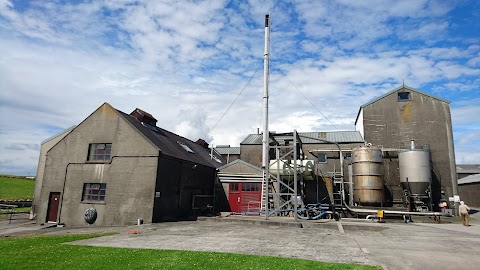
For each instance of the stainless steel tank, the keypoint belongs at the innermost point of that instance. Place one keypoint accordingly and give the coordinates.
(414, 165)
(367, 175)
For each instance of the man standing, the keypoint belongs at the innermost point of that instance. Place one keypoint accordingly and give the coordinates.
(464, 213)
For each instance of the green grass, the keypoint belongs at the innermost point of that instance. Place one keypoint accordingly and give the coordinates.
(16, 188)
(48, 252)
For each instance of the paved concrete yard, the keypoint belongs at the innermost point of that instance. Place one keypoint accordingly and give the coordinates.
(390, 245)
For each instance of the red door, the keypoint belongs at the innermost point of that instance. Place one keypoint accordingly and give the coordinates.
(53, 202)
(250, 197)
(244, 197)
(234, 197)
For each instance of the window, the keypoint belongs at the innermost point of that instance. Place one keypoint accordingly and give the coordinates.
(403, 96)
(188, 149)
(322, 158)
(250, 186)
(233, 186)
(99, 152)
(93, 192)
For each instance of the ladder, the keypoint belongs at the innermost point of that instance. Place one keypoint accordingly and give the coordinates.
(338, 189)
(264, 198)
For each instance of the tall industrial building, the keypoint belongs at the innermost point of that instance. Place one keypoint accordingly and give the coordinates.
(395, 119)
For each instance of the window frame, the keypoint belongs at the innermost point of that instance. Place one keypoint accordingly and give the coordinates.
(94, 152)
(401, 96)
(233, 187)
(250, 187)
(323, 161)
(87, 194)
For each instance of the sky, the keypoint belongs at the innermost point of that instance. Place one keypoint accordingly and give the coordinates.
(186, 61)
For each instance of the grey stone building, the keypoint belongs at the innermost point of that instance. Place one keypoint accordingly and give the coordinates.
(125, 168)
(394, 119)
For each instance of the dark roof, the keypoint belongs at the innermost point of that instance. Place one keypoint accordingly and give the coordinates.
(399, 89)
(169, 143)
(468, 168)
(334, 136)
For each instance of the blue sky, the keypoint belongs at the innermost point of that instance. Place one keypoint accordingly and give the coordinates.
(186, 61)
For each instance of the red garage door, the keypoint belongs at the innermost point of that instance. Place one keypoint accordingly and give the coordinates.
(244, 197)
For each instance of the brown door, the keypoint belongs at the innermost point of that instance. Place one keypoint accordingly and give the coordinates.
(53, 202)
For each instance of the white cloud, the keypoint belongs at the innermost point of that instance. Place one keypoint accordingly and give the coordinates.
(186, 61)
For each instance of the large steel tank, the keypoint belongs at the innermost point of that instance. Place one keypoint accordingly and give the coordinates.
(415, 170)
(367, 175)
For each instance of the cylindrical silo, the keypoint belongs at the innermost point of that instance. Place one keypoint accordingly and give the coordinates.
(415, 170)
(367, 175)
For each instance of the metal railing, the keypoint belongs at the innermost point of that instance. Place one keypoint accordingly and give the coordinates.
(10, 210)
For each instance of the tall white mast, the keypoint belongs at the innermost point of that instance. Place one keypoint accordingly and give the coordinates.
(266, 139)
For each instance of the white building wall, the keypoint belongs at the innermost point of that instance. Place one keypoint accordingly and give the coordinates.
(359, 123)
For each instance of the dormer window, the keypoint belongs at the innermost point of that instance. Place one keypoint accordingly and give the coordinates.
(188, 149)
(403, 96)
(100, 152)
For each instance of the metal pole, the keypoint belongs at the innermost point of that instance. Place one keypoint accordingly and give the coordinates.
(295, 201)
(278, 185)
(265, 149)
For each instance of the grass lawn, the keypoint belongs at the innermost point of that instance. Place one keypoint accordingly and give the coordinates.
(47, 252)
(16, 188)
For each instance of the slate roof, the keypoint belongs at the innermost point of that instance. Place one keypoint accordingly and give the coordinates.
(334, 136)
(167, 143)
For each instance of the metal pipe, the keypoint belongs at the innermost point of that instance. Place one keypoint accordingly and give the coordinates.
(392, 212)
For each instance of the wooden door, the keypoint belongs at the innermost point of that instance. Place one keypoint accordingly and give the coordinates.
(53, 203)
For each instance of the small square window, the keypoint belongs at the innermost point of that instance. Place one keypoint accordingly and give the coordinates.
(94, 192)
(403, 96)
(322, 158)
(100, 152)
